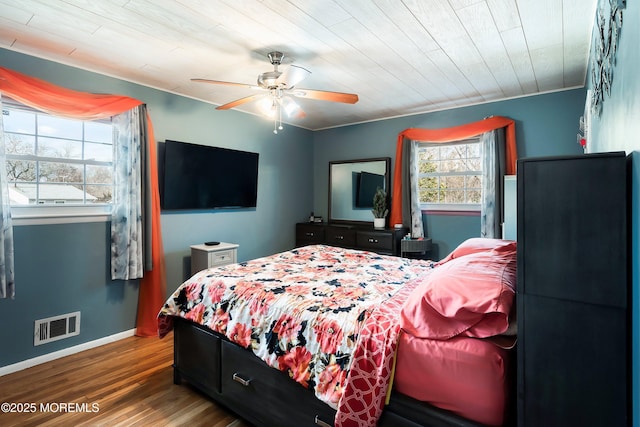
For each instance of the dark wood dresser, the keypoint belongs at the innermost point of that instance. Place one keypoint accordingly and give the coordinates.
(383, 241)
(573, 291)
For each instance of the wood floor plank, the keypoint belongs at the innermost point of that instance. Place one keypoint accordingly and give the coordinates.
(125, 383)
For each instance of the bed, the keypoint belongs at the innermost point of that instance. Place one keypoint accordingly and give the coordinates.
(322, 335)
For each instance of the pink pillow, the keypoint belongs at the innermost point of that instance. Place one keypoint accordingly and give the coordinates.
(471, 296)
(480, 244)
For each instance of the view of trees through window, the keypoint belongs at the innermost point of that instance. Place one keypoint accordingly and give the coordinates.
(450, 174)
(54, 160)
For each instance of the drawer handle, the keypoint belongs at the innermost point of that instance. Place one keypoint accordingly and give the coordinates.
(321, 423)
(241, 380)
(339, 237)
(372, 240)
(309, 234)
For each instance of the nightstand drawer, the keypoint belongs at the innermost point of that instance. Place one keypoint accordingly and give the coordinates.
(205, 256)
(221, 258)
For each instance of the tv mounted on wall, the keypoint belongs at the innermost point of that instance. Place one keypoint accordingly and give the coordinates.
(367, 185)
(196, 176)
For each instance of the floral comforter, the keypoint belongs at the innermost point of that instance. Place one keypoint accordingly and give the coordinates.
(303, 311)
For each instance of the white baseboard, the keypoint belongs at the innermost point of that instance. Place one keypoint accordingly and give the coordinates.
(9, 369)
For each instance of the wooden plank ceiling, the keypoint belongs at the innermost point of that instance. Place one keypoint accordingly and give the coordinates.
(401, 57)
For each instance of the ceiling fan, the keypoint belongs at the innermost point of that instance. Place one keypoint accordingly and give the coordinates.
(276, 89)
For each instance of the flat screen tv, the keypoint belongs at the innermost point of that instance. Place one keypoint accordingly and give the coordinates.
(203, 177)
(367, 184)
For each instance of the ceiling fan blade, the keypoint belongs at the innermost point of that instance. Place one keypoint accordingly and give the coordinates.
(240, 101)
(347, 98)
(292, 75)
(291, 108)
(219, 82)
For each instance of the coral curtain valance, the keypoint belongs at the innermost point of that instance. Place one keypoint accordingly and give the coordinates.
(60, 101)
(451, 134)
(64, 102)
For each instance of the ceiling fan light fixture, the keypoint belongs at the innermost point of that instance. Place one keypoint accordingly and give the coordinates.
(268, 106)
(291, 108)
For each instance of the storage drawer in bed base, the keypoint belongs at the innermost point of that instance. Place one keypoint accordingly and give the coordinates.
(264, 396)
(196, 357)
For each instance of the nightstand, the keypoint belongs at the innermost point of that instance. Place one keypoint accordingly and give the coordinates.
(203, 256)
(416, 248)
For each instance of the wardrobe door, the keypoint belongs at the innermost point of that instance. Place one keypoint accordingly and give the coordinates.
(573, 291)
(574, 364)
(573, 219)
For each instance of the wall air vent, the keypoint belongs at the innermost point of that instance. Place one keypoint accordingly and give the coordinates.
(56, 328)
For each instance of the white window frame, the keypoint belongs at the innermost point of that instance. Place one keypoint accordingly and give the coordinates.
(49, 213)
(450, 207)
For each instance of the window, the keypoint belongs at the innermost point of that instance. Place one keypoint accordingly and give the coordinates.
(450, 175)
(57, 162)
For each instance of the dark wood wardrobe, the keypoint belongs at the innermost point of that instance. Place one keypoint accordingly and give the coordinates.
(573, 303)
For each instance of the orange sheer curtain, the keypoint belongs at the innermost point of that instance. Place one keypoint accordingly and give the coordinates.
(448, 135)
(64, 102)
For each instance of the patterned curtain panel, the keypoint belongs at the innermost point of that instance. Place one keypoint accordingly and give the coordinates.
(127, 237)
(411, 211)
(493, 168)
(7, 284)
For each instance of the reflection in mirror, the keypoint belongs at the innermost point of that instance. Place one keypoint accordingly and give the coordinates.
(352, 184)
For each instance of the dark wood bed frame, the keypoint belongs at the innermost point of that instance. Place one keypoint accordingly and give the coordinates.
(236, 378)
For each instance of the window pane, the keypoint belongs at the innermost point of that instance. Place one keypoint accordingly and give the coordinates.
(59, 127)
(453, 182)
(98, 132)
(61, 148)
(474, 181)
(474, 196)
(453, 196)
(21, 171)
(457, 166)
(99, 175)
(473, 150)
(19, 144)
(60, 173)
(19, 121)
(22, 194)
(100, 193)
(474, 164)
(98, 152)
(448, 152)
(60, 194)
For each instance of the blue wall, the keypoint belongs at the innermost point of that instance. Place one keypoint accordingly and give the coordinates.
(618, 128)
(545, 125)
(65, 267)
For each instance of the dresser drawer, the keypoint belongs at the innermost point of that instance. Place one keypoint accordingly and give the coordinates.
(340, 236)
(309, 234)
(378, 242)
(256, 388)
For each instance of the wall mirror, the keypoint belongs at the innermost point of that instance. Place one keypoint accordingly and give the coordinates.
(352, 184)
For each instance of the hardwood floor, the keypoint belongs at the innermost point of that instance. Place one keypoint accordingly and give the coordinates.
(125, 383)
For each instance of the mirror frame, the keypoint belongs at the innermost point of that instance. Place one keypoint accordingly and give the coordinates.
(387, 183)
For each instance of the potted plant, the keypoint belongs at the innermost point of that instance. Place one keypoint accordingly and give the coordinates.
(379, 210)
